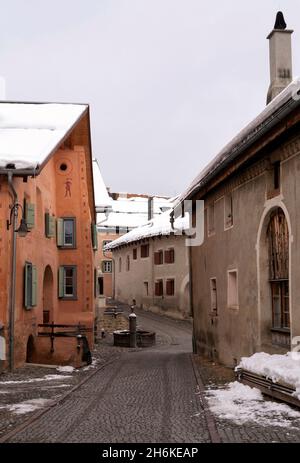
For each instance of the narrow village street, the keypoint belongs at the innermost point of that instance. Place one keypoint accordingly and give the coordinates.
(152, 395)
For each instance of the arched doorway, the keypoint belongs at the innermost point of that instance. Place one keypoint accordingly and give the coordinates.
(274, 280)
(48, 295)
(30, 350)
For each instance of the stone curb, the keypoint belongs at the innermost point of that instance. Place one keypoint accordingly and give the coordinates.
(210, 421)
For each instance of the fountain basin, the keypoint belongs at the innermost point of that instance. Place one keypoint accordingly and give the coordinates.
(143, 338)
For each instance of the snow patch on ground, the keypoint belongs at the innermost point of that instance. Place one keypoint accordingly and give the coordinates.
(92, 365)
(34, 380)
(28, 406)
(66, 369)
(242, 404)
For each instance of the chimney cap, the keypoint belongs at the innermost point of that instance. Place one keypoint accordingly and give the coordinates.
(280, 22)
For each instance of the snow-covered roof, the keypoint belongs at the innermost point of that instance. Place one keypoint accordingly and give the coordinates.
(158, 226)
(274, 111)
(131, 212)
(29, 132)
(102, 198)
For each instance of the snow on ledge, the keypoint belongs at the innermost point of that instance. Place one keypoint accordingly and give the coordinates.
(278, 368)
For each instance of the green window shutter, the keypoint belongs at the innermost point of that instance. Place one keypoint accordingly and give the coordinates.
(94, 236)
(95, 283)
(34, 287)
(30, 215)
(60, 232)
(49, 225)
(27, 285)
(61, 274)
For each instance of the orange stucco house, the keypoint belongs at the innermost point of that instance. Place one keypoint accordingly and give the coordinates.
(46, 276)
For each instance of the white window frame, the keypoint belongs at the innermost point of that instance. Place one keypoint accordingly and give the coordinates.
(105, 263)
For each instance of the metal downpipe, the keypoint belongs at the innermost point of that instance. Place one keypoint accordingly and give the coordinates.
(13, 276)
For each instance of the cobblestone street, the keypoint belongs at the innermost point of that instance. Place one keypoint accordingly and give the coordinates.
(150, 395)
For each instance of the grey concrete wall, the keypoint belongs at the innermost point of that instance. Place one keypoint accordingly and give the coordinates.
(241, 331)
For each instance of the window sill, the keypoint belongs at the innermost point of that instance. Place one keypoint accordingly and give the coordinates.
(234, 308)
(68, 247)
(281, 330)
(73, 298)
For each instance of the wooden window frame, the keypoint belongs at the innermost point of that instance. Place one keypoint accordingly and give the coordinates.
(143, 247)
(228, 211)
(127, 263)
(211, 219)
(170, 256)
(146, 288)
(213, 296)
(159, 257)
(159, 288)
(284, 305)
(170, 293)
(62, 286)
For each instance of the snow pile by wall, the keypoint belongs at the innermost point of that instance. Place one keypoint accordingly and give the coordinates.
(278, 368)
(243, 404)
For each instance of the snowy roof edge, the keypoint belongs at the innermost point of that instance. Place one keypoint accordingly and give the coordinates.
(279, 107)
(37, 169)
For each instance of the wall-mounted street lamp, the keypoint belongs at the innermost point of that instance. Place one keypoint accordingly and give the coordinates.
(22, 230)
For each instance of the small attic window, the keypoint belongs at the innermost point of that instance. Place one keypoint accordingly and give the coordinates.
(10, 166)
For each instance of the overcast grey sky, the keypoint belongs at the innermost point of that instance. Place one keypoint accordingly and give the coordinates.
(169, 82)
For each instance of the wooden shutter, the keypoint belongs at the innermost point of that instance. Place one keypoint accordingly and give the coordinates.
(171, 256)
(167, 256)
(170, 288)
(94, 236)
(30, 215)
(159, 290)
(49, 225)
(34, 287)
(29, 274)
(96, 292)
(61, 274)
(157, 287)
(60, 232)
(156, 258)
(27, 285)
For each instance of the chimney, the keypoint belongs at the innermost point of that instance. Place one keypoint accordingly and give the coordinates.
(150, 208)
(280, 57)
